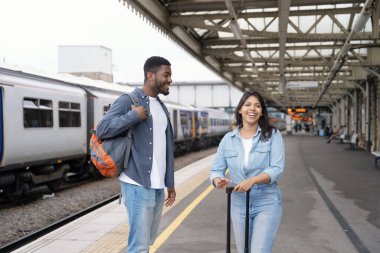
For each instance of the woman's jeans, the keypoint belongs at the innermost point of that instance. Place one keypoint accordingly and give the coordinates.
(144, 207)
(265, 210)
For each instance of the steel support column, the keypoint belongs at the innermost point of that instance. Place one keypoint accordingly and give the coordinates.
(368, 115)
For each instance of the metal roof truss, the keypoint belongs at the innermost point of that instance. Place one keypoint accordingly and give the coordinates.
(264, 45)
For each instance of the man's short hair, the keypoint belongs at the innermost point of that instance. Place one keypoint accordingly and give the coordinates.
(152, 64)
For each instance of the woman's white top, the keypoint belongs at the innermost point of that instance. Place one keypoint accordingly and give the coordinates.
(247, 144)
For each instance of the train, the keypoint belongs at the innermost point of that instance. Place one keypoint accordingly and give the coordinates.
(277, 119)
(278, 123)
(46, 122)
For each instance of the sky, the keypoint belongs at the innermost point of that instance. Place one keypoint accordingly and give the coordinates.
(31, 31)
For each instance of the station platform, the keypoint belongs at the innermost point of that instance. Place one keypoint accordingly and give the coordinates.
(330, 204)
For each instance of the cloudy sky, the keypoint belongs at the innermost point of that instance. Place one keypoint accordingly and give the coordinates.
(30, 32)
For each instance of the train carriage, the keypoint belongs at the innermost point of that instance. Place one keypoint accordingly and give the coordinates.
(219, 123)
(45, 123)
(200, 127)
(181, 119)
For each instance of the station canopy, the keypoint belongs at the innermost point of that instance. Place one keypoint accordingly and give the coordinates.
(295, 53)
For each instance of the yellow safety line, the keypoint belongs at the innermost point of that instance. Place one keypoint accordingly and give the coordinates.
(175, 224)
(116, 240)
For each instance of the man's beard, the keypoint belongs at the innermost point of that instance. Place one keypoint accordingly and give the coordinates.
(158, 87)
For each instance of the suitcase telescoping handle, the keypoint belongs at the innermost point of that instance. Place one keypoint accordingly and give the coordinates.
(229, 191)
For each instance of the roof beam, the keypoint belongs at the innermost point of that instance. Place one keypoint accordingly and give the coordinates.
(358, 26)
(219, 5)
(223, 51)
(314, 61)
(264, 14)
(284, 6)
(328, 37)
(240, 42)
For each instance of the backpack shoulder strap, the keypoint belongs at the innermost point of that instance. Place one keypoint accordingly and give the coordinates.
(135, 101)
(134, 98)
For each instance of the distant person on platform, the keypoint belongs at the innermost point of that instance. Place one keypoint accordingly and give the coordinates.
(255, 155)
(334, 134)
(151, 164)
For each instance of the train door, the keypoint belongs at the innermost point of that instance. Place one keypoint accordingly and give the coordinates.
(204, 117)
(1, 124)
(195, 126)
(185, 123)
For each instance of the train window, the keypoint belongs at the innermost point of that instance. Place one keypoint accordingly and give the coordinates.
(204, 123)
(64, 105)
(46, 104)
(183, 120)
(75, 106)
(69, 114)
(30, 103)
(38, 113)
(183, 117)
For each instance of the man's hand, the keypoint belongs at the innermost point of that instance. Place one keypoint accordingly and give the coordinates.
(171, 197)
(141, 111)
(220, 183)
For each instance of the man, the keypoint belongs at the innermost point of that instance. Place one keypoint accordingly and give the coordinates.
(151, 164)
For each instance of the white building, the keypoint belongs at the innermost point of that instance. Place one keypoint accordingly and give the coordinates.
(94, 62)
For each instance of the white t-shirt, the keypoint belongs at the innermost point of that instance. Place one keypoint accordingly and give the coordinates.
(247, 144)
(160, 123)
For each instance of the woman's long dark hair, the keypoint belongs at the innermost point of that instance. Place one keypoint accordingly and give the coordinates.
(266, 128)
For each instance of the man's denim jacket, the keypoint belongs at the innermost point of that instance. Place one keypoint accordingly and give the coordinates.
(265, 157)
(121, 117)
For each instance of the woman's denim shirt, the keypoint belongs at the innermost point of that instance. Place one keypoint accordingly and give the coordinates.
(265, 157)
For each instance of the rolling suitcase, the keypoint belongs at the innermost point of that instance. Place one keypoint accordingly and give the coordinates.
(229, 190)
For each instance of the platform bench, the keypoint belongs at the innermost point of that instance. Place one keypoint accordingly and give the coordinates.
(343, 136)
(353, 142)
(377, 156)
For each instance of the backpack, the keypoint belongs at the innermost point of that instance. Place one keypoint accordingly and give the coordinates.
(110, 156)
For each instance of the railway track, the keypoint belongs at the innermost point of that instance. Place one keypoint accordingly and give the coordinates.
(43, 231)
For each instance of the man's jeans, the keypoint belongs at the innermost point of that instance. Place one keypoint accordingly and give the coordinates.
(265, 211)
(144, 207)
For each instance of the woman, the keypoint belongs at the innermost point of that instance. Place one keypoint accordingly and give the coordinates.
(254, 154)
